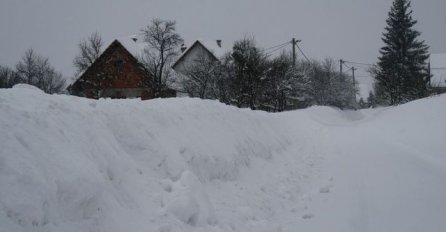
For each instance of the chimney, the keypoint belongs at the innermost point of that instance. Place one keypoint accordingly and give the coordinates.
(219, 43)
(183, 47)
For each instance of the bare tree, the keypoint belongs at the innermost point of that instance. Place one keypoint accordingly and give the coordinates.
(89, 50)
(30, 67)
(53, 82)
(332, 88)
(8, 77)
(200, 78)
(36, 70)
(163, 46)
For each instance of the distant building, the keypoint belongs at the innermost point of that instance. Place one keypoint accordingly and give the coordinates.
(211, 50)
(438, 72)
(117, 73)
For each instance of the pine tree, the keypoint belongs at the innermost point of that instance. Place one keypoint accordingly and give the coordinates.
(371, 100)
(249, 63)
(402, 71)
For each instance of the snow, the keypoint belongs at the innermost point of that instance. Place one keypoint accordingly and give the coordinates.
(212, 46)
(438, 70)
(74, 164)
(26, 86)
(136, 48)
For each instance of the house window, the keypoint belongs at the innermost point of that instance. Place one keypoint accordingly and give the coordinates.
(118, 63)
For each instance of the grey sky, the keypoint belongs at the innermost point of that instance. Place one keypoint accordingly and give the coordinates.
(348, 29)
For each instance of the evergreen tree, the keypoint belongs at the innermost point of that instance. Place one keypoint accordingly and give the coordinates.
(249, 68)
(402, 71)
(371, 100)
(362, 104)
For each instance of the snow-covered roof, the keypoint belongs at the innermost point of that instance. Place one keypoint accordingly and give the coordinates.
(214, 48)
(218, 50)
(438, 70)
(134, 44)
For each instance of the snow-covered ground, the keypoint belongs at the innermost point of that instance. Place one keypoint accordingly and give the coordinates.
(72, 164)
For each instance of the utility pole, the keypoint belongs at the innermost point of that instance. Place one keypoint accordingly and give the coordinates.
(294, 43)
(353, 74)
(354, 83)
(341, 63)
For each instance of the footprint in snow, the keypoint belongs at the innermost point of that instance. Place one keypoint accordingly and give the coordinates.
(308, 216)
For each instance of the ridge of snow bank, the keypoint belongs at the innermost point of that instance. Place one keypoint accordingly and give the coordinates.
(73, 164)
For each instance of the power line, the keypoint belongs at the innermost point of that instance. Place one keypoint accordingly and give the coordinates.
(358, 63)
(348, 67)
(363, 68)
(275, 50)
(302, 53)
(273, 47)
(438, 68)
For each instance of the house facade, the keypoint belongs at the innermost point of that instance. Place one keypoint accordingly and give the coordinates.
(117, 73)
(200, 49)
(438, 71)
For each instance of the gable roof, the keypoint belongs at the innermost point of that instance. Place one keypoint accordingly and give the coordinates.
(213, 47)
(133, 44)
(438, 70)
(210, 45)
(133, 48)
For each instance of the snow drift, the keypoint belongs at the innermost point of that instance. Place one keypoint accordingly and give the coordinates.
(73, 164)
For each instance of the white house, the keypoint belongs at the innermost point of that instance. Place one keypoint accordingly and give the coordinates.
(438, 71)
(193, 55)
(212, 50)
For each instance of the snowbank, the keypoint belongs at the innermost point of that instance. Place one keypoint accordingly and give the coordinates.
(73, 164)
(26, 86)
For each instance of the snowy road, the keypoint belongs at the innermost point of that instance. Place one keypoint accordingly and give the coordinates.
(388, 170)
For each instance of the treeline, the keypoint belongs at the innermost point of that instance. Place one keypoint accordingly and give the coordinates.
(33, 69)
(244, 77)
(247, 77)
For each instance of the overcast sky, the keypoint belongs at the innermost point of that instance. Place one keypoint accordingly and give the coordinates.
(348, 29)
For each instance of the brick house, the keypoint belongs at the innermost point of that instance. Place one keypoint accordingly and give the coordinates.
(117, 73)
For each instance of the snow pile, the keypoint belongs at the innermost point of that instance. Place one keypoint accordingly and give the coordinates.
(73, 164)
